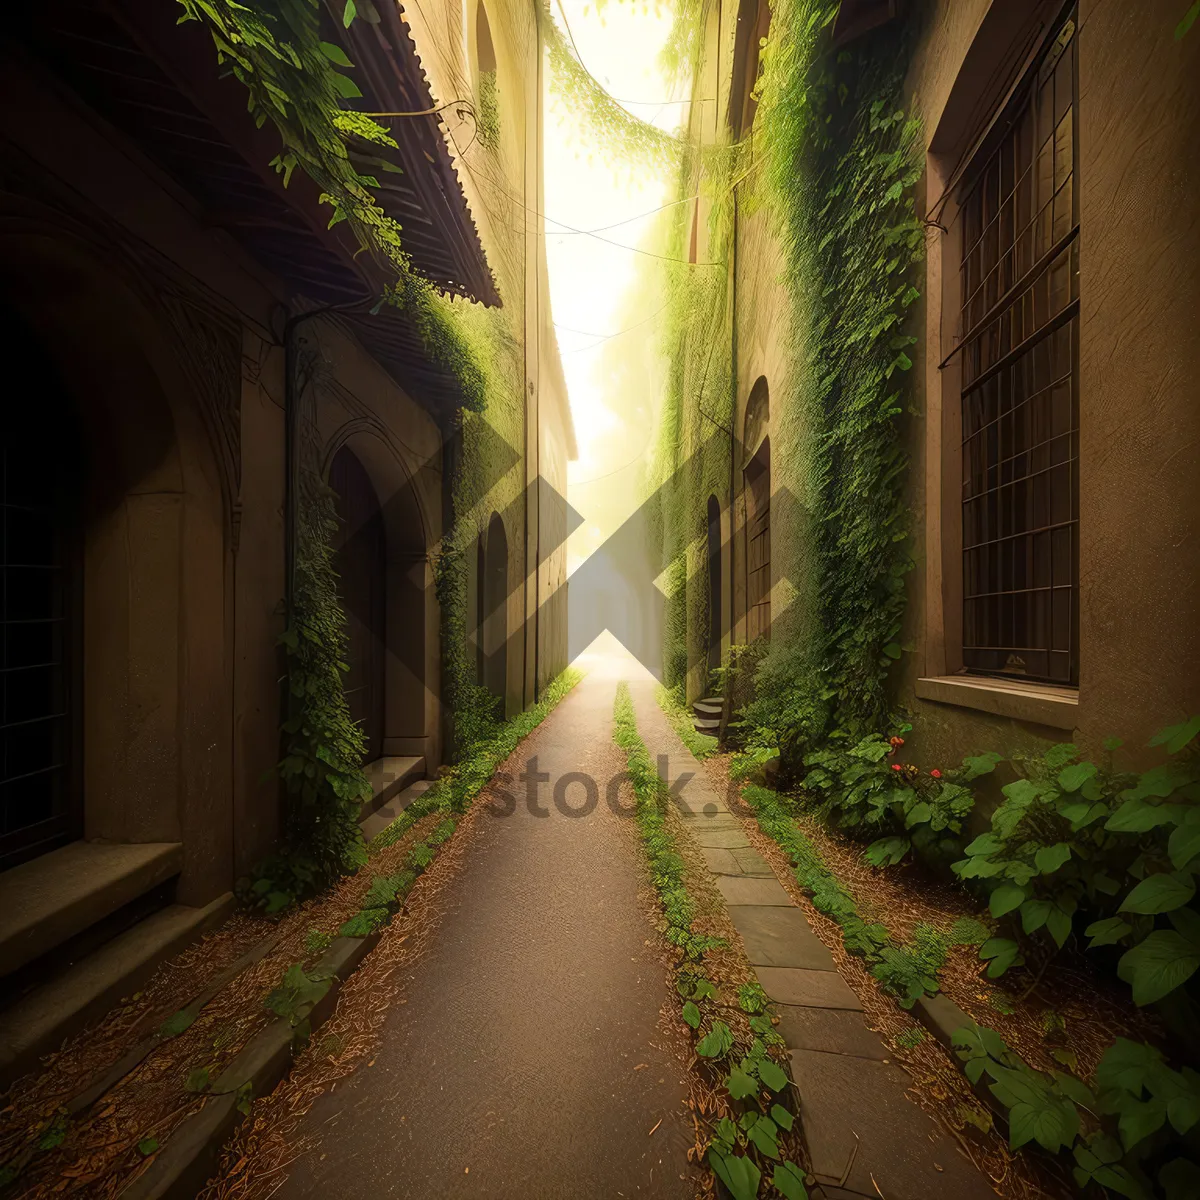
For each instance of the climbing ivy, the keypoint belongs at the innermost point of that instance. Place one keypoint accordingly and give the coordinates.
(840, 163)
(302, 85)
(321, 766)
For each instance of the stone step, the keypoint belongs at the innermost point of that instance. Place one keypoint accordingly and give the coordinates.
(711, 706)
(57, 896)
(373, 824)
(83, 989)
(388, 777)
(709, 725)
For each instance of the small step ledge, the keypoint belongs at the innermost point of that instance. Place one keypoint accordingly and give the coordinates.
(388, 777)
(709, 725)
(711, 706)
(52, 898)
(375, 823)
(40, 1020)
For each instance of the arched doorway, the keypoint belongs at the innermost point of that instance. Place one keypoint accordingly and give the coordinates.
(144, 685)
(714, 583)
(361, 556)
(494, 588)
(41, 802)
(756, 481)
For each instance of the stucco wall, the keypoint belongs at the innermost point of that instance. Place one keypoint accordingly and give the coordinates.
(1139, 425)
(184, 561)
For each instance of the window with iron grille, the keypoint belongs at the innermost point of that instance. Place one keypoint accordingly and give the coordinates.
(38, 804)
(1019, 280)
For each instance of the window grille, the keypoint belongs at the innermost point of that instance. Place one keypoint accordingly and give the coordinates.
(1020, 404)
(36, 802)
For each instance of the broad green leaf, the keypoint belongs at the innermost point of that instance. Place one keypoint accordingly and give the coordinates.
(985, 843)
(691, 1014)
(762, 1135)
(1160, 893)
(197, 1080)
(147, 1146)
(1075, 1089)
(1180, 1178)
(737, 1172)
(772, 1074)
(919, 814)
(1034, 914)
(1058, 922)
(1059, 755)
(980, 764)
(781, 1116)
(1158, 964)
(1183, 845)
(788, 1181)
(1136, 816)
(1184, 1111)
(1140, 1119)
(1049, 858)
(717, 1042)
(1072, 778)
(1022, 792)
(351, 11)
(335, 54)
(1177, 736)
(1107, 932)
(176, 1023)
(1126, 1065)
(740, 1085)
(1000, 953)
(1052, 1123)
(1005, 898)
(887, 851)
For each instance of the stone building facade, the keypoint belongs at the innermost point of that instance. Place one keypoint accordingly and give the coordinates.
(1057, 597)
(168, 303)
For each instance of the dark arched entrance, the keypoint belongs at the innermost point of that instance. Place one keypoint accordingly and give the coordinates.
(361, 563)
(40, 613)
(756, 480)
(714, 583)
(494, 586)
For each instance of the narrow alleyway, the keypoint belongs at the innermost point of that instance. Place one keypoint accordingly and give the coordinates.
(530, 1041)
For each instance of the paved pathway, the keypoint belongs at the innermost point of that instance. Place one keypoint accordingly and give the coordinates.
(859, 1126)
(513, 1068)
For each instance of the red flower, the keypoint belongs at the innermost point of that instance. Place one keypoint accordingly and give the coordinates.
(897, 767)
(896, 741)
(936, 773)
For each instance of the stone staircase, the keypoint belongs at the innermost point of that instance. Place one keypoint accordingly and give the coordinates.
(708, 715)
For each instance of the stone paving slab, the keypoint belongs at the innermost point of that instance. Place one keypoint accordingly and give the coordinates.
(835, 1031)
(846, 1102)
(742, 889)
(813, 989)
(740, 862)
(779, 938)
(865, 1136)
(723, 839)
(753, 863)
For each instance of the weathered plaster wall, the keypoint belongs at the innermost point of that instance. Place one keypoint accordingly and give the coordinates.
(185, 559)
(1139, 105)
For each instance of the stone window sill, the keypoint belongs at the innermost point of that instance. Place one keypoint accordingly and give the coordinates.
(1040, 703)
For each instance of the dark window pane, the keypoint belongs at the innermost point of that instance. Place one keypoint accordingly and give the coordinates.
(1020, 421)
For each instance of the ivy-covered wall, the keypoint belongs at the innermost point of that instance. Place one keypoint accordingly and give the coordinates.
(832, 294)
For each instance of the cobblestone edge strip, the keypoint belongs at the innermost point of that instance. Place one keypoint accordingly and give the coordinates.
(189, 1157)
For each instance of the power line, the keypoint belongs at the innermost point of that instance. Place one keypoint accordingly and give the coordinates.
(604, 337)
